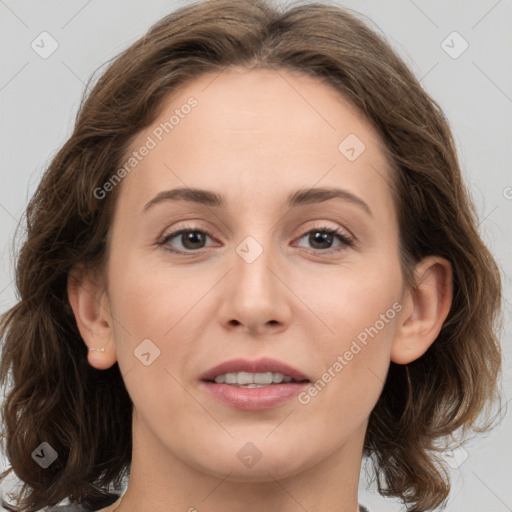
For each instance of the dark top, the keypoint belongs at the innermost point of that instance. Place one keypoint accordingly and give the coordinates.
(88, 506)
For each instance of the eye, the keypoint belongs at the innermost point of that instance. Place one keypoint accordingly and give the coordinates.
(324, 236)
(190, 237)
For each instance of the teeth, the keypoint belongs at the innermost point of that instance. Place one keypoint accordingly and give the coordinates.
(277, 378)
(252, 380)
(230, 378)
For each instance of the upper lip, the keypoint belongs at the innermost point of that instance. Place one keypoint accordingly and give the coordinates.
(262, 365)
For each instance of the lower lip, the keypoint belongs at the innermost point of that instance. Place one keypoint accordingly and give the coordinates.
(254, 398)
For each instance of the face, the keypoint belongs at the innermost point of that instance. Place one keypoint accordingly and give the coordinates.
(311, 281)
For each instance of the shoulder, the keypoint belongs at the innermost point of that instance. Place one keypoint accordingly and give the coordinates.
(85, 506)
(75, 507)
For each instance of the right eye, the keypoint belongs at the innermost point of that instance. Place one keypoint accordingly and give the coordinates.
(192, 238)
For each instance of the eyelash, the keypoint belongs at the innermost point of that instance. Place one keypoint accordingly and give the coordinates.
(346, 241)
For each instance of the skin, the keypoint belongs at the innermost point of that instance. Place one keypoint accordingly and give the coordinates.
(254, 137)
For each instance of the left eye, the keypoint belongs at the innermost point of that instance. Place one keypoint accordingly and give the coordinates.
(192, 239)
(326, 235)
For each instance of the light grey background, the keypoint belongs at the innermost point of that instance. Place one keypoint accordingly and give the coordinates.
(39, 99)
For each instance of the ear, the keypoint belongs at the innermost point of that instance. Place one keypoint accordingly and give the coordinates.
(89, 300)
(425, 310)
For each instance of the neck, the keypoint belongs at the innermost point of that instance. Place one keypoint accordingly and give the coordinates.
(161, 481)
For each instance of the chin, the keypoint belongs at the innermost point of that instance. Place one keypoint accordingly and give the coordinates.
(246, 461)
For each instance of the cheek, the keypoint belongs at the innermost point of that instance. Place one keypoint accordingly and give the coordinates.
(354, 300)
(358, 313)
(162, 312)
(151, 333)
(148, 298)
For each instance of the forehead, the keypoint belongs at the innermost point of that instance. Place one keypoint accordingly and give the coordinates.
(263, 131)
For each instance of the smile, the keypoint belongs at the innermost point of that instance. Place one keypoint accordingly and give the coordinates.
(253, 380)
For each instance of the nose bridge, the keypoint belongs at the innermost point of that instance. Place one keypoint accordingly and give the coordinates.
(255, 258)
(256, 296)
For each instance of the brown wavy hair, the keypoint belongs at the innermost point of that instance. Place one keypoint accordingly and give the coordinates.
(85, 414)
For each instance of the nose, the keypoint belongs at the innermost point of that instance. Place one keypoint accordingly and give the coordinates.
(256, 296)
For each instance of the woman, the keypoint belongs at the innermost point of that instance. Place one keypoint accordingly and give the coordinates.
(253, 262)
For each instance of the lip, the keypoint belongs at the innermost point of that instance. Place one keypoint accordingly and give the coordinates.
(265, 397)
(262, 365)
(254, 399)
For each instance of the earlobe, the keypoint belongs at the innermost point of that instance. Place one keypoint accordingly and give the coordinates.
(91, 308)
(427, 306)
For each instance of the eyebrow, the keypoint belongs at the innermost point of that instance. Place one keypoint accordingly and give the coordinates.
(296, 198)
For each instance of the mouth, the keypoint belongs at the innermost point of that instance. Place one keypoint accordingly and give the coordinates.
(262, 372)
(254, 380)
(253, 385)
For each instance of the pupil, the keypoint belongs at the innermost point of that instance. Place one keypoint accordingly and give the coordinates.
(190, 238)
(322, 238)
